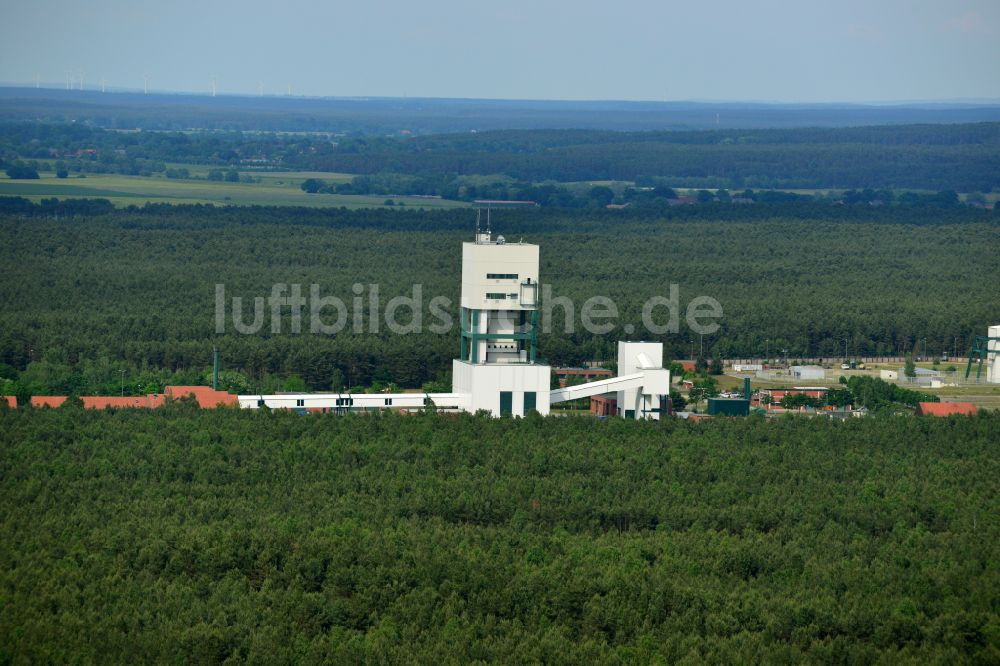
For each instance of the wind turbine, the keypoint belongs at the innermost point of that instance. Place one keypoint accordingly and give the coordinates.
(260, 88)
(67, 79)
(36, 81)
(289, 89)
(145, 83)
(214, 86)
(103, 81)
(80, 73)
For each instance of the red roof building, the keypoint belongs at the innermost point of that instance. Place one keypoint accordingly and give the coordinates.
(777, 395)
(11, 400)
(47, 400)
(206, 396)
(603, 405)
(115, 402)
(946, 408)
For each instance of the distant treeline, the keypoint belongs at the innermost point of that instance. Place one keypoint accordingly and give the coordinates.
(395, 116)
(90, 291)
(964, 158)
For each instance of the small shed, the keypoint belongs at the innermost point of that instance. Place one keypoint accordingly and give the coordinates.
(728, 407)
(808, 372)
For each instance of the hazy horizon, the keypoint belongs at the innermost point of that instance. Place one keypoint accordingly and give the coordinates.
(96, 87)
(773, 53)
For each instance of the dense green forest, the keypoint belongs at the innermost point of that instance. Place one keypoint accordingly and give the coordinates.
(961, 157)
(91, 293)
(964, 158)
(201, 537)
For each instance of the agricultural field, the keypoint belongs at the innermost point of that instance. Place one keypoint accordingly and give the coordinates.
(275, 189)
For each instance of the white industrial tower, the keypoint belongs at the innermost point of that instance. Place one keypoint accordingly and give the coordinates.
(499, 317)
(497, 370)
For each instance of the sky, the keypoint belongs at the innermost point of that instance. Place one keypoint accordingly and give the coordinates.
(726, 50)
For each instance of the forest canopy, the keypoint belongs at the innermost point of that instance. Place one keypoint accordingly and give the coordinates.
(187, 536)
(963, 157)
(91, 292)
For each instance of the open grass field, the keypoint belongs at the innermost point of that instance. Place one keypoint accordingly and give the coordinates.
(275, 189)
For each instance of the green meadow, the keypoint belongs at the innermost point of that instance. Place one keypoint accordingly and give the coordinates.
(274, 189)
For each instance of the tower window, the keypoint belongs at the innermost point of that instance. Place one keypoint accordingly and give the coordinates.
(501, 276)
(498, 297)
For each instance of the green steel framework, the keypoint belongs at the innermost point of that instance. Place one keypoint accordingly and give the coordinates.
(471, 336)
(980, 348)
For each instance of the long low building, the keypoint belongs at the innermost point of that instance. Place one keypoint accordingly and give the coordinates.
(205, 396)
(946, 409)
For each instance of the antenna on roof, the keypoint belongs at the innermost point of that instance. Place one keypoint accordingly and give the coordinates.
(481, 236)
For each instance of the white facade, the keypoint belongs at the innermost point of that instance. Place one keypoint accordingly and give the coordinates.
(491, 267)
(646, 358)
(502, 388)
(499, 308)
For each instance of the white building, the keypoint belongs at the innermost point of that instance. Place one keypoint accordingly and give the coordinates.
(497, 369)
(497, 366)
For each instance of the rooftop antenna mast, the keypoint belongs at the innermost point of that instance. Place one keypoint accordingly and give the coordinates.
(482, 236)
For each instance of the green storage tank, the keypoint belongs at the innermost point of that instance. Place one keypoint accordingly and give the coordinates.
(728, 407)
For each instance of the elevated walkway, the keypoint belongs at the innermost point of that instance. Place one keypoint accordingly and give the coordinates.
(614, 384)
